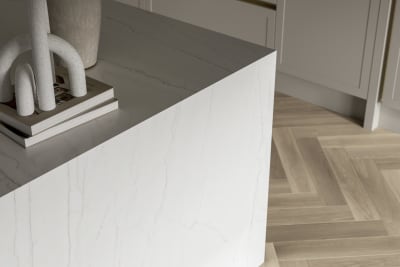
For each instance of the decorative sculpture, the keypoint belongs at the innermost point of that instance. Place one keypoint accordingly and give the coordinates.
(34, 84)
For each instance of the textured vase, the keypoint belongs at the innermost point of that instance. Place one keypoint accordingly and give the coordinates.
(78, 22)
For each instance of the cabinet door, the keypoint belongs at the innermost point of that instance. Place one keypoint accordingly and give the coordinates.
(238, 18)
(328, 42)
(391, 89)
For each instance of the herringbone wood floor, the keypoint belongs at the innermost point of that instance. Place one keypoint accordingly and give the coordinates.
(334, 196)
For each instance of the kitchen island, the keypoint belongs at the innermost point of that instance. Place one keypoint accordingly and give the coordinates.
(178, 176)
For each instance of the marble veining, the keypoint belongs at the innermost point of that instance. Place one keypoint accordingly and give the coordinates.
(152, 61)
(177, 177)
(187, 187)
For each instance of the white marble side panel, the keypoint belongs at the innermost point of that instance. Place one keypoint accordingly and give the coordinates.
(187, 187)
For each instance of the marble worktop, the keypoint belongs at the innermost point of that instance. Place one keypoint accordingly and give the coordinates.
(153, 63)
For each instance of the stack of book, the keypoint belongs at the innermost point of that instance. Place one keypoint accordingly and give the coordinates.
(69, 112)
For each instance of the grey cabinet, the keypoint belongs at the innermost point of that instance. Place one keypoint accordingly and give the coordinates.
(240, 19)
(391, 89)
(253, 21)
(328, 42)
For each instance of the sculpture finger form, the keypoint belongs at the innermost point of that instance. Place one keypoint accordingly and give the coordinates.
(41, 43)
(22, 44)
(41, 55)
(24, 90)
(73, 62)
(8, 54)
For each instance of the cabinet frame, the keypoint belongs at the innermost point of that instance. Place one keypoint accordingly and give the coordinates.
(391, 88)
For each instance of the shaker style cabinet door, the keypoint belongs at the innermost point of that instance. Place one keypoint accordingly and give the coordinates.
(391, 88)
(238, 18)
(328, 42)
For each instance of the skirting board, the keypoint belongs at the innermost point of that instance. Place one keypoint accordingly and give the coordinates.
(322, 96)
(389, 119)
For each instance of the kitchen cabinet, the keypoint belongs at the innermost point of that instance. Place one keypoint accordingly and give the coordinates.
(391, 89)
(330, 43)
(330, 52)
(253, 21)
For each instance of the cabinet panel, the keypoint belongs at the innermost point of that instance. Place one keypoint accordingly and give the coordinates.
(328, 42)
(391, 91)
(236, 18)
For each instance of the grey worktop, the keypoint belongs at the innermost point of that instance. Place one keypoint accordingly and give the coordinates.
(153, 62)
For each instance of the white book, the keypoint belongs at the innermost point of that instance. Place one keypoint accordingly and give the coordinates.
(27, 141)
(67, 107)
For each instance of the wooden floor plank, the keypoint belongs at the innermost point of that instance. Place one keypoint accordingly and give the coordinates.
(294, 200)
(351, 186)
(327, 130)
(316, 231)
(321, 174)
(363, 261)
(337, 248)
(301, 263)
(292, 160)
(303, 215)
(279, 186)
(334, 196)
(363, 140)
(271, 260)
(291, 120)
(392, 177)
(388, 163)
(380, 192)
(374, 152)
(276, 169)
(290, 105)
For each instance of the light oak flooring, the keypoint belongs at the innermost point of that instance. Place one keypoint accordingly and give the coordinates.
(334, 196)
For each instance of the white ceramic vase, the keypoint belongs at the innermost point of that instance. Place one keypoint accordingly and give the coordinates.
(78, 22)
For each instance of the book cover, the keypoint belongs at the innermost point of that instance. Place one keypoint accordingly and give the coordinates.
(67, 107)
(27, 141)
